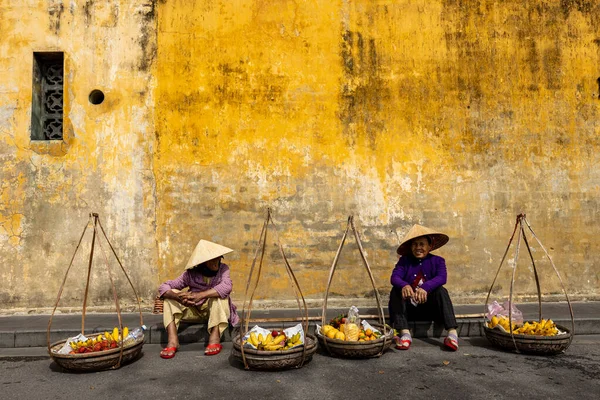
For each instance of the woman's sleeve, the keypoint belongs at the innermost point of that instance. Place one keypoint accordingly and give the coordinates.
(177, 283)
(397, 274)
(440, 277)
(225, 286)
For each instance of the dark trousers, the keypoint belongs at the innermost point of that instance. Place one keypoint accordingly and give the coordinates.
(438, 308)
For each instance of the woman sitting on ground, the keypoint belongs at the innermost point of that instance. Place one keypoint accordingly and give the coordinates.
(208, 299)
(417, 287)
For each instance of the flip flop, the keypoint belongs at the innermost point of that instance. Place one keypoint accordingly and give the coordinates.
(404, 342)
(451, 342)
(168, 352)
(213, 349)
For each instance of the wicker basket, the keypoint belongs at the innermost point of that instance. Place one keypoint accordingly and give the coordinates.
(368, 349)
(530, 344)
(101, 360)
(275, 360)
(96, 361)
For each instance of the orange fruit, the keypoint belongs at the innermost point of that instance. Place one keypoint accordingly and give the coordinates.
(368, 332)
(331, 333)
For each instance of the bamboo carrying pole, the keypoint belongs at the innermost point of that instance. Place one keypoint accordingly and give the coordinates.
(94, 220)
(381, 317)
(519, 225)
(247, 311)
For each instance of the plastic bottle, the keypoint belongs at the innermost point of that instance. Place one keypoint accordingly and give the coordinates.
(135, 335)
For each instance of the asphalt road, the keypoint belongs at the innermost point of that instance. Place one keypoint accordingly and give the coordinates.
(476, 371)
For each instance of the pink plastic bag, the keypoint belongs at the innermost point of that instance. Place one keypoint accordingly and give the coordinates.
(502, 311)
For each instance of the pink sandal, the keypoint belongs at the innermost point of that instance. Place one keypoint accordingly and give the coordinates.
(403, 342)
(451, 342)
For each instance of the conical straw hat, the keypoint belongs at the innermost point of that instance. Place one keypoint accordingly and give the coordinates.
(205, 251)
(438, 239)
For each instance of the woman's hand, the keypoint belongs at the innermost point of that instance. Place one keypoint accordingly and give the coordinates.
(191, 298)
(420, 295)
(407, 292)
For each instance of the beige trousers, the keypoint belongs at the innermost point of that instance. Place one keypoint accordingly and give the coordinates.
(215, 310)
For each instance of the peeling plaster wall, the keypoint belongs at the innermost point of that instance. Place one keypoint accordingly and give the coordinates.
(456, 115)
(103, 165)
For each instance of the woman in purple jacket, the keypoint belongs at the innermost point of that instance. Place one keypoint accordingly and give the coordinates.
(207, 299)
(417, 287)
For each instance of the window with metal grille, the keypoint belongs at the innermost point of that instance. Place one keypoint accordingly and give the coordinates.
(47, 96)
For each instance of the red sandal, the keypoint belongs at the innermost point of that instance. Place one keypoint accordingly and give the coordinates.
(404, 342)
(168, 352)
(451, 342)
(213, 349)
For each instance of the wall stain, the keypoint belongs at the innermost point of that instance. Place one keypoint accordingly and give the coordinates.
(54, 14)
(147, 41)
(363, 93)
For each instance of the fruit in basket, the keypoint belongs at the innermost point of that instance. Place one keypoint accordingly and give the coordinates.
(331, 333)
(541, 328)
(253, 339)
(351, 332)
(340, 335)
(501, 321)
(326, 329)
(337, 321)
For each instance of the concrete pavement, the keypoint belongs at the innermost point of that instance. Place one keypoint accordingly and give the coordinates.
(426, 371)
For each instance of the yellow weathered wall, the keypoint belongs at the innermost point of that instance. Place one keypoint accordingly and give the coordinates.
(456, 115)
(103, 165)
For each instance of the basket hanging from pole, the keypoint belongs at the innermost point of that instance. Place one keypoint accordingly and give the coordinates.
(279, 359)
(521, 343)
(350, 349)
(101, 360)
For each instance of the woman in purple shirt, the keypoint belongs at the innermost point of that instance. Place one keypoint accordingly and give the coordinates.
(207, 299)
(417, 287)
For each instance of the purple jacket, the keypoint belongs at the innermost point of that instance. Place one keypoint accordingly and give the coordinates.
(195, 281)
(407, 268)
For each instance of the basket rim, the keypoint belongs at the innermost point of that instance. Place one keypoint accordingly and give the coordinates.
(79, 356)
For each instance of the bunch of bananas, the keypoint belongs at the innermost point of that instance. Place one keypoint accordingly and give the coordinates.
(270, 343)
(541, 328)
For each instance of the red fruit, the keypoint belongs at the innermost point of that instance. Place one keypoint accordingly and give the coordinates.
(113, 345)
(344, 320)
(81, 350)
(274, 333)
(98, 347)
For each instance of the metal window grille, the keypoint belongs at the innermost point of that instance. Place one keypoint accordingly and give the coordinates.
(47, 96)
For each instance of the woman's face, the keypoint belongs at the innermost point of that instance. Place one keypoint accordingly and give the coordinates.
(420, 247)
(214, 264)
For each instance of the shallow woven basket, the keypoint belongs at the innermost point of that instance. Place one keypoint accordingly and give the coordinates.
(96, 361)
(345, 349)
(275, 360)
(530, 344)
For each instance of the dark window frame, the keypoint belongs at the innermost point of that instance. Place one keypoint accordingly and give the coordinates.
(47, 96)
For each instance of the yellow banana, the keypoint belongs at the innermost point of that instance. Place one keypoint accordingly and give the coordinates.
(125, 332)
(253, 339)
(268, 339)
(261, 338)
(278, 339)
(273, 347)
(115, 334)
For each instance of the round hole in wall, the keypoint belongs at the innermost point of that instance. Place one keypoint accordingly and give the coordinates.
(96, 96)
